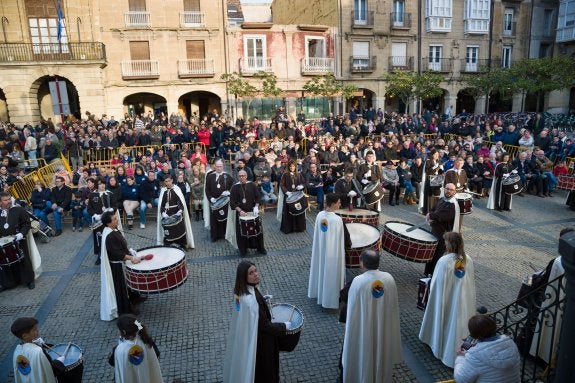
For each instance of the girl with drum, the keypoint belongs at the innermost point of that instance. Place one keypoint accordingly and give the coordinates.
(498, 199)
(135, 358)
(252, 353)
(451, 301)
(292, 182)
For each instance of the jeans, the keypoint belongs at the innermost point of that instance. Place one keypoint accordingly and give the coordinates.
(58, 218)
(42, 214)
(408, 187)
(318, 192)
(551, 181)
(144, 207)
(87, 217)
(32, 158)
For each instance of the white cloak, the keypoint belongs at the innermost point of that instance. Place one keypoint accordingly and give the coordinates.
(327, 268)
(546, 348)
(231, 227)
(34, 365)
(491, 199)
(206, 203)
(280, 209)
(372, 343)
(108, 304)
(159, 228)
(457, 217)
(34, 254)
(451, 303)
(240, 359)
(136, 362)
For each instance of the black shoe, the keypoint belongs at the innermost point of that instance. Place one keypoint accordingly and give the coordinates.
(391, 203)
(263, 251)
(31, 285)
(520, 195)
(242, 254)
(98, 261)
(130, 226)
(2, 288)
(58, 232)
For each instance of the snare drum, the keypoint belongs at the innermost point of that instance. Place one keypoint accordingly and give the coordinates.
(250, 225)
(416, 246)
(436, 181)
(512, 184)
(363, 237)
(164, 272)
(220, 208)
(73, 360)
(359, 216)
(10, 251)
(297, 203)
(283, 312)
(465, 201)
(373, 193)
(174, 228)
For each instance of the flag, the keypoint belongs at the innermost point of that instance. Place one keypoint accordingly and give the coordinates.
(60, 22)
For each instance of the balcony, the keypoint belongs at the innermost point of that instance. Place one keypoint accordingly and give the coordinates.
(479, 66)
(140, 69)
(476, 26)
(439, 65)
(72, 53)
(316, 65)
(192, 19)
(363, 64)
(510, 29)
(438, 24)
(196, 68)
(137, 19)
(565, 34)
(362, 19)
(400, 20)
(251, 65)
(400, 63)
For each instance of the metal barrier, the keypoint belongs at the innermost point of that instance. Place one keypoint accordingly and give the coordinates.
(22, 189)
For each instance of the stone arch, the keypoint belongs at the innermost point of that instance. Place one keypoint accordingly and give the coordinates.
(143, 103)
(199, 103)
(52, 100)
(436, 104)
(363, 101)
(465, 100)
(4, 115)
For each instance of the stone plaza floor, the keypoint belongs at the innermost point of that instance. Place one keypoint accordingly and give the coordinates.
(190, 323)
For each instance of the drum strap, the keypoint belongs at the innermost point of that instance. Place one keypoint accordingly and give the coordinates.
(122, 262)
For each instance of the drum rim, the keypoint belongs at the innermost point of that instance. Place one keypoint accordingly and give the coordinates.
(175, 222)
(150, 292)
(469, 196)
(349, 214)
(214, 206)
(378, 237)
(298, 329)
(372, 185)
(163, 268)
(72, 366)
(296, 196)
(9, 240)
(249, 217)
(422, 241)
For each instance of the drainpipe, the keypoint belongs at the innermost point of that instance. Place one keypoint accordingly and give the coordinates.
(225, 38)
(489, 51)
(419, 47)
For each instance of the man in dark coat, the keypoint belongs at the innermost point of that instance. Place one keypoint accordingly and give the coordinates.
(218, 183)
(61, 198)
(441, 219)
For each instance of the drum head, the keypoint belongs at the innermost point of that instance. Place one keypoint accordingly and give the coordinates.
(220, 202)
(417, 234)
(282, 312)
(362, 235)
(295, 196)
(172, 220)
(249, 217)
(163, 257)
(356, 213)
(73, 356)
(463, 196)
(6, 240)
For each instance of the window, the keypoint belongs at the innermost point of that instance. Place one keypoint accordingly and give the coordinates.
(471, 59)
(137, 5)
(360, 12)
(477, 9)
(399, 54)
(439, 8)
(506, 59)
(435, 55)
(191, 5)
(195, 49)
(43, 25)
(314, 47)
(547, 22)
(398, 13)
(508, 22)
(544, 50)
(255, 52)
(360, 54)
(139, 50)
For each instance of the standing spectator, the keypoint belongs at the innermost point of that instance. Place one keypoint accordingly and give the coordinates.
(149, 193)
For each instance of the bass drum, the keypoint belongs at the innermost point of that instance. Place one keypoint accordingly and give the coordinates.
(283, 312)
(373, 193)
(297, 203)
(220, 208)
(164, 272)
(512, 185)
(174, 228)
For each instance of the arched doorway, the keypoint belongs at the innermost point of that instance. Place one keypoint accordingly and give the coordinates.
(363, 100)
(144, 103)
(534, 102)
(436, 104)
(199, 104)
(500, 102)
(56, 95)
(4, 116)
(465, 100)
(572, 100)
(394, 104)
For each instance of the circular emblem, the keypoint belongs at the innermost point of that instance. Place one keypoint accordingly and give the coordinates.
(136, 355)
(221, 212)
(515, 187)
(23, 365)
(323, 225)
(459, 269)
(237, 302)
(377, 289)
(376, 194)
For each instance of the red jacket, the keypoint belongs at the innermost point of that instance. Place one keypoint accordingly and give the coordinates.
(204, 137)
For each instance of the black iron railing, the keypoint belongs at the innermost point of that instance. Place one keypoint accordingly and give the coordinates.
(27, 52)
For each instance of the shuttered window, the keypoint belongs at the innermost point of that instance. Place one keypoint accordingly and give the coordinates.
(191, 5)
(139, 50)
(137, 5)
(195, 49)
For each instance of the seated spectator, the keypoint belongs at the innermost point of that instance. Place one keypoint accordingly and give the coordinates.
(267, 190)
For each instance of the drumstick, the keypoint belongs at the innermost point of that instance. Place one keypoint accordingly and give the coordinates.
(292, 311)
(51, 349)
(67, 348)
(470, 192)
(416, 227)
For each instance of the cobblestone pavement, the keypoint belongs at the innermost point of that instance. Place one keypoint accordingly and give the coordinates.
(190, 323)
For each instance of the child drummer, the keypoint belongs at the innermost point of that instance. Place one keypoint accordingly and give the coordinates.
(31, 362)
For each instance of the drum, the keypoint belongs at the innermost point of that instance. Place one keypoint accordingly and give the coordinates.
(174, 228)
(73, 360)
(512, 184)
(250, 225)
(465, 201)
(436, 181)
(416, 246)
(220, 208)
(10, 251)
(363, 237)
(164, 272)
(423, 292)
(283, 312)
(368, 217)
(372, 193)
(297, 203)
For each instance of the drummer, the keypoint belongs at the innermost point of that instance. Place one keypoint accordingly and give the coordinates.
(244, 200)
(115, 298)
(291, 182)
(433, 169)
(347, 189)
(173, 204)
(457, 175)
(218, 183)
(252, 352)
(31, 362)
(369, 172)
(99, 202)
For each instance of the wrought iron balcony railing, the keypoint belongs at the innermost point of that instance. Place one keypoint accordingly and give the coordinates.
(70, 52)
(400, 62)
(140, 69)
(439, 65)
(361, 19)
(479, 66)
(252, 65)
(363, 64)
(400, 20)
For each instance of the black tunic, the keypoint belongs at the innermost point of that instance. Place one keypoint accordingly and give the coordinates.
(291, 223)
(171, 204)
(225, 182)
(250, 193)
(502, 201)
(19, 272)
(442, 217)
(117, 249)
(341, 188)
